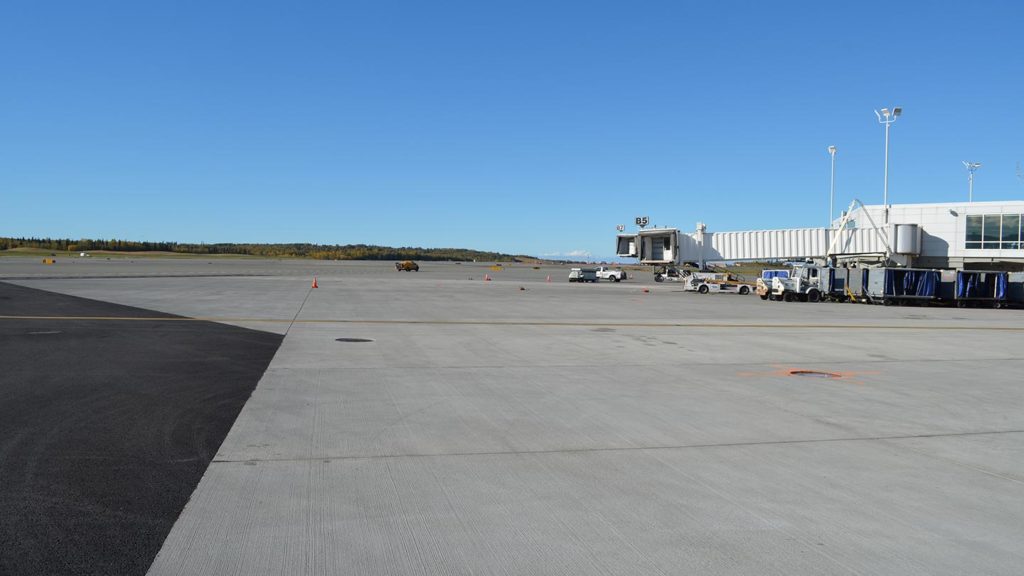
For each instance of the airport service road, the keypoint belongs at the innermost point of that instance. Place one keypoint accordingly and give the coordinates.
(484, 429)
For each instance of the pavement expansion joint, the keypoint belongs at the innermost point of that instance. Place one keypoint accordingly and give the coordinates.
(253, 461)
(859, 362)
(540, 323)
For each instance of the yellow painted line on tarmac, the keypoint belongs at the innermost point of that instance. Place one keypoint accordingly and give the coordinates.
(146, 319)
(539, 323)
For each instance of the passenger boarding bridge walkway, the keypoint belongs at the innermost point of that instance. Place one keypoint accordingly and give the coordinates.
(670, 246)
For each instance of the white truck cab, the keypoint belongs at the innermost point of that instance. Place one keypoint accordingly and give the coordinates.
(804, 284)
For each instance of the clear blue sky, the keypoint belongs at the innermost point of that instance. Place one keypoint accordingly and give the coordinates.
(518, 126)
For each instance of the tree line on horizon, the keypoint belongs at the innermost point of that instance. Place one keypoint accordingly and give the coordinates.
(293, 250)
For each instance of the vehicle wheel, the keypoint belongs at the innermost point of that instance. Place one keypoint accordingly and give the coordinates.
(658, 278)
(763, 296)
(813, 296)
(772, 297)
(703, 289)
(744, 290)
(787, 297)
(961, 304)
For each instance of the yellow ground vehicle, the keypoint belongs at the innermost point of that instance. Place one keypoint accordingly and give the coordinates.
(407, 266)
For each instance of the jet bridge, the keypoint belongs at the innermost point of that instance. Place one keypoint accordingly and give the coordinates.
(666, 246)
(670, 246)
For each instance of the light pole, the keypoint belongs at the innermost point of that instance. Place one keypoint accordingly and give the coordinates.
(971, 167)
(887, 118)
(832, 188)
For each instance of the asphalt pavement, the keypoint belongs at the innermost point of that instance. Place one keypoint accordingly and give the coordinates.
(107, 426)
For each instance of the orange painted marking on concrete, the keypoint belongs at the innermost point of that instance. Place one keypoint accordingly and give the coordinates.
(851, 376)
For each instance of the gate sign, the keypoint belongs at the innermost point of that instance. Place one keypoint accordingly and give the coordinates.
(641, 221)
(620, 228)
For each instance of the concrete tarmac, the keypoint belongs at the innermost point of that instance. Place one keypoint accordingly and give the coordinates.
(518, 426)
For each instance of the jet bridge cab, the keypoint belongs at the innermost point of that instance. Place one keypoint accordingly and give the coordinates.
(657, 247)
(625, 246)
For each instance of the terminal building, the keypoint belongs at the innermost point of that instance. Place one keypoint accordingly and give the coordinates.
(953, 235)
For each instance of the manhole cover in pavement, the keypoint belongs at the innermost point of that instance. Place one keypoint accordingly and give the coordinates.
(814, 374)
(354, 339)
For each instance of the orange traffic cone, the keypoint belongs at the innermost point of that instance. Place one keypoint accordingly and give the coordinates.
(487, 278)
(314, 282)
(549, 278)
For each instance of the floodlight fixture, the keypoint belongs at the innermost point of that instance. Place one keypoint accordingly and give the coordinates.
(971, 167)
(888, 119)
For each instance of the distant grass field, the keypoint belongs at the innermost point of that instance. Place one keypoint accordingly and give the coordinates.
(112, 254)
(41, 253)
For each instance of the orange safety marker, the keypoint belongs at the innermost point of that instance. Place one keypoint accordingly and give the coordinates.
(314, 282)
(549, 278)
(487, 278)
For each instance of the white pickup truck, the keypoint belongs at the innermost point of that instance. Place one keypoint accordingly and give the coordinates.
(611, 274)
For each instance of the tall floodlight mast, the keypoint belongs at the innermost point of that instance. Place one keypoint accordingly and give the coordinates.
(885, 117)
(832, 188)
(971, 167)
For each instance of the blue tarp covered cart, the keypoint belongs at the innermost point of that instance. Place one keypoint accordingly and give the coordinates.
(857, 284)
(902, 285)
(1015, 289)
(978, 287)
(837, 283)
